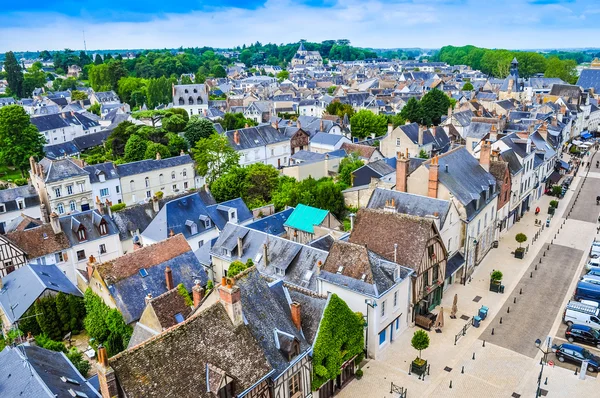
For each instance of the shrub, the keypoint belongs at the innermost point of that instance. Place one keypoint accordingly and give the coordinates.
(235, 268)
(20, 181)
(496, 276)
(81, 364)
(556, 190)
(359, 373)
(209, 285)
(521, 237)
(159, 194)
(44, 341)
(554, 203)
(117, 207)
(420, 341)
(184, 293)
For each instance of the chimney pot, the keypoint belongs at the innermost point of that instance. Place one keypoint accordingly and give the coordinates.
(169, 278)
(148, 298)
(197, 294)
(157, 155)
(223, 281)
(296, 315)
(402, 164)
(484, 155)
(230, 298)
(432, 189)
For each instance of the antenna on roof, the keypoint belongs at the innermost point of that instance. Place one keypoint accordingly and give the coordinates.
(84, 45)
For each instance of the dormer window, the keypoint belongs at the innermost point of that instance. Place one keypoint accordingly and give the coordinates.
(279, 271)
(103, 227)
(101, 177)
(207, 223)
(81, 234)
(192, 226)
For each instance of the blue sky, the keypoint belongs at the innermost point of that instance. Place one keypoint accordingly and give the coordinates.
(58, 24)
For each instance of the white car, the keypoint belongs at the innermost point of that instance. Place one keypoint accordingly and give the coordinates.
(595, 280)
(594, 262)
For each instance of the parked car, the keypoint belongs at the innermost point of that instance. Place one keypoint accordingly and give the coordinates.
(567, 182)
(584, 334)
(576, 354)
(587, 291)
(593, 263)
(595, 251)
(594, 280)
(582, 314)
(594, 271)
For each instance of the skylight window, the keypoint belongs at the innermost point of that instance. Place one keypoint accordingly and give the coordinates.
(340, 269)
(143, 273)
(69, 380)
(77, 393)
(179, 318)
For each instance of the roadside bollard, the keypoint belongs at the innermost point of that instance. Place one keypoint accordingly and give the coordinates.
(508, 310)
(473, 356)
(450, 383)
(515, 301)
(531, 275)
(463, 369)
(492, 331)
(482, 346)
(500, 320)
(521, 291)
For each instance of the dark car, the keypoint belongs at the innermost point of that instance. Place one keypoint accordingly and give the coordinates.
(584, 334)
(574, 353)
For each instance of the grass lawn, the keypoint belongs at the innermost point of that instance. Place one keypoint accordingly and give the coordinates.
(8, 174)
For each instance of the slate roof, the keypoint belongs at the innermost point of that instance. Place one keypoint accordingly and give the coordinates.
(590, 78)
(454, 263)
(90, 220)
(39, 241)
(35, 372)
(464, 118)
(321, 138)
(108, 169)
(255, 137)
(185, 351)
(312, 308)
(566, 90)
(411, 204)
(92, 140)
(304, 218)
(354, 267)
(58, 170)
(380, 230)
(61, 150)
(272, 224)
(382, 166)
(57, 121)
(145, 166)
(307, 156)
(477, 130)
(27, 192)
(24, 285)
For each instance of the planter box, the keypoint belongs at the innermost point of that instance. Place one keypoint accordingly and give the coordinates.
(551, 210)
(419, 370)
(495, 287)
(519, 253)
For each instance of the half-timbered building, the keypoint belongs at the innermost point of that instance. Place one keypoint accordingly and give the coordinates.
(11, 257)
(411, 241)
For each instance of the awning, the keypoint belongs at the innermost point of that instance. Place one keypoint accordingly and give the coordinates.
(454, 263)
(564, 165)
(554, 177)
(586, 135)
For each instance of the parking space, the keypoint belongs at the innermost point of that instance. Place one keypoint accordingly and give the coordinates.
(569, 365)
(585, 208)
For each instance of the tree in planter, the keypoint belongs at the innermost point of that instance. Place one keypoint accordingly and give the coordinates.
(556, 190)
(521, 238)
(554, 204)
(420, 342)
(496, 276)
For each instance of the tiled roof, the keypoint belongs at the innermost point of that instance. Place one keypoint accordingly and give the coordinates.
(175, 362)
(39, 241)
(364, 151)
(167, 305)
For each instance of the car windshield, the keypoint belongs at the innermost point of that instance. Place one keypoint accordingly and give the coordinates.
(586, 354)
(595, 333)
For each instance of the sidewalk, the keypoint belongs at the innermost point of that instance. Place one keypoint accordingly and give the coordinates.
(495, 370)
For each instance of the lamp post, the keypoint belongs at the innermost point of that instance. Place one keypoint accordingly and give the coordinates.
(543, 361)
(372, 304)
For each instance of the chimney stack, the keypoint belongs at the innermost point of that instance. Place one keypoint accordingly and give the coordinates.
(298, 124)
(155, 204)
(106, 375)
(420, 135)
(266, 254)
(402, 163)
(99, 206)
(236, 137)
(169, 278)
(90, 267)
(148, 298)
(484, 155)
(434, 169)
(230, 298)
(543, 130)
(296, 315)
(197, 294)
(55, 223)
(554, 121)
(157, 155)
(240, 247)
(390, 128)
(321, 126)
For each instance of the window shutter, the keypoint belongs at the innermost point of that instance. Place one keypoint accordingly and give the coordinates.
(65, 256)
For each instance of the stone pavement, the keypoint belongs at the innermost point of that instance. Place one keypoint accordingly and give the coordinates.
(498, 371)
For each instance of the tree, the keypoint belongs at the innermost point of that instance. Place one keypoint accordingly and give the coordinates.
(331, 90)
(77, 313)
(48, 318)
(347, 167)
(78, 95)
(199, 78)
(117, 140)
(468, 86)
(235, 268)
(174, 123)
(19, 139)
(14, 74)
(364, 123)
(218, 71)
(127, 86)
(62, 309)
(214, 156)
(284, 74)
(182, 291)
(99, 77)
(95, 109)
(496, 276)
(423, 154)
(116, 71)
(521, 238)
(95, 319)
(261, 181)
(77, 360)
(340, 338)
(159, 91)
(339, 109)
(176, 144)
(565, 70)
(197, 128)
(435, 104)
(397, 120)
(234, 121)
(231, 185)
(412, 111)
(154, 148)
(135, 149)
(420, 341)
(98, 60)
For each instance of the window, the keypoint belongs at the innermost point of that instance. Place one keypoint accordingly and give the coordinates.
(2, 209)
(147, 182)
(272, 152)
(395, 299)
(426, 278)
(161, 179)
(69, 189)
(397, 141)
(81, 235)
(58, 257)
(184, 172)
(57, 192)
(81, 186)
(104, 192)
(382, 337)
(200, 244)
(20, 204)
(101, 177)
(485, 220)
(132, 185)
(185, 185)
(449, 245)
(60, 208)
(383, 308)
(72, 205)
(279, 271)
(227, 391)
(103, 228)
(478, 227)
(397, 323)
(294, 385)
(148, 194)
(174, 187)
(172, 175)
(207, 223)
(436, 273)
(102, 249)
(81, 255)
(118, 190)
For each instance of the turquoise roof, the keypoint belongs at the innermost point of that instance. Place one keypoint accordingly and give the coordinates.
(305, 218)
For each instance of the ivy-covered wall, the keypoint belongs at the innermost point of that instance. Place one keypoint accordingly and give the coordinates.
(340, 338)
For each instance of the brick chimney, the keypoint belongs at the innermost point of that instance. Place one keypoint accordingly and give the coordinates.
(321, 126)
(197, 294)
(266, 254)
(230, 298)
(434, 169)
(493, 133)
(298, 124)
(55, 223)
(484, 155)
(554, 121)
(106, 375)
(157, 155)
(90, 267)
(543, 130)
(169, 278)
(148, 298)
(296, 315)
(236, 137)
(99, 206)
(402, 163)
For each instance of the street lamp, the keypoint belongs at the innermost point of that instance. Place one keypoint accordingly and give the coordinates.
(543, 361)
(372, 304)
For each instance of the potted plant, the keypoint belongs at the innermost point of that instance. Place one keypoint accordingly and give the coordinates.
(419, 341)
(495, 280)
(520, 252)
(553, 206)
(358, 374)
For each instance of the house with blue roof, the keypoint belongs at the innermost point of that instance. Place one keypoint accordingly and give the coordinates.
(21, 288)
(325, 142)
(306, 223)
(413, 139)
(198, 221)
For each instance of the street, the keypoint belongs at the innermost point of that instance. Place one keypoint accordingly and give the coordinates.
(506, 363)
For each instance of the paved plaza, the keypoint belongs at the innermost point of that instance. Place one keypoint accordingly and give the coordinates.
(509, 362)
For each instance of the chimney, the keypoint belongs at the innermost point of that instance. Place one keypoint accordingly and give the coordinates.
(554, 121)
(157, 155)
(543, 130)
(420, 135)
(246, 125)
(169, 278)
(390, 128)
(321, 126)
(148, 298)
(229, 296)
(44, 213)
(449, 112)
(32, 164)
(90, 267)
(493, 133)
(240, 247)
(155, 204)
(296, 315)
(484, 155)
(236, 137)
(99, 206)
(432, 189)
(197, 294)
(107, 205)
(182, 153)
(298, 124)
(266, 254)
(106, 375)
(402, 165)
(352, 215)
(55, 223)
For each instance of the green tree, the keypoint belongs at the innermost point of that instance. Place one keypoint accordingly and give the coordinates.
(521, 238)
(331, 90)
(235, 268)
(339, 109)
(182, 291)
(412, 111)
(329, 196)
(176, 144)
(230, 185)
(235, 121)
(174, 123)
(397, 120)
(435, 104)
(218, 71)
(99, 77)
(423, 154)
(364, 123)
(284, 74)
(154, 148)
(117, 140)
(347, 166)
(95, 109)
(468, 86)
(127, 86)
(48, 318)
(197, 128)
(62, 309)
(199, 78)
(116, 71)
(261, 181)
(76, 312)
(28, 322)
(77, 360)
(34, 78)
(340, 338)
(565, 70)
(14, 74)
(78, 95)
(135, 149)
(19, 138)
(420, 341)
(214, 156)
(95, 318)
(98, 60)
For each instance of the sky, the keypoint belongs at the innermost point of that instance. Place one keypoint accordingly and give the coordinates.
(121, 24)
